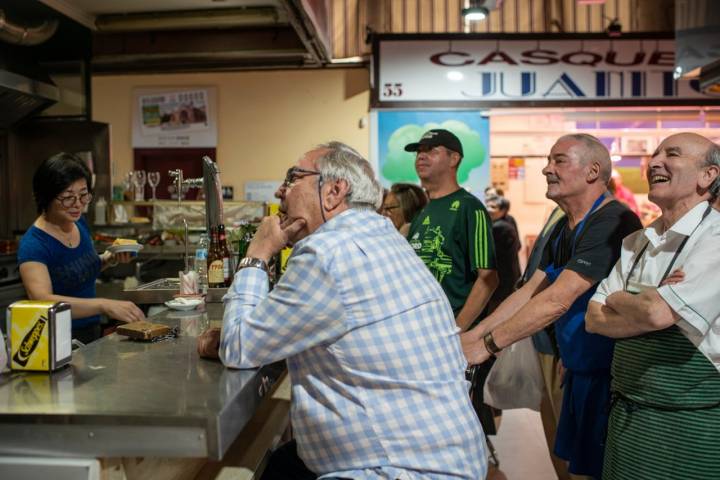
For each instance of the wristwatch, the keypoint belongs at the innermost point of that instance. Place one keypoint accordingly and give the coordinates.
(490, 344)
(253, 262)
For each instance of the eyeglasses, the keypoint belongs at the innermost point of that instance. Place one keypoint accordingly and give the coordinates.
(294, 173)
(70, 200)
(388, 208)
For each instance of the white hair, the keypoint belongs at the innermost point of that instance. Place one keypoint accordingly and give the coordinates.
(712, 158)
(341, 162)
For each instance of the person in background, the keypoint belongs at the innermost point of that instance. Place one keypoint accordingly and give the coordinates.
(57, 256)
(453, 234)
(581, 251)
(377, 372)
(402, 203)
(665, 417)
(507, 246)
(453, 237)
(623, 193)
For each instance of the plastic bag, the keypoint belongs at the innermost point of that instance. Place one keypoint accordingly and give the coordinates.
(515, 381)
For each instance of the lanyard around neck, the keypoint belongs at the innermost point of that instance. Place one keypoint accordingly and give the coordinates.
(677, 252)
(580, 226)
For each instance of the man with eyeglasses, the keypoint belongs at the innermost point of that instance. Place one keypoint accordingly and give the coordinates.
(377, 372)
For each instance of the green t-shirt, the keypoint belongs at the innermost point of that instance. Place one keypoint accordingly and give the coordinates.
(453, 236)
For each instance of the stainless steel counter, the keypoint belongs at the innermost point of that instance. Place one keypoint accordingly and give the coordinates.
(164, 289)
(123, 398)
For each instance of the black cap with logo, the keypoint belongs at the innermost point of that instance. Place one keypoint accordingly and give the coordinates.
(437, 137)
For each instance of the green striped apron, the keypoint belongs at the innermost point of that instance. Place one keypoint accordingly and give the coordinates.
(665, 413)
(665, 416)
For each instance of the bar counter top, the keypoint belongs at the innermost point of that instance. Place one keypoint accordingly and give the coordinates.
(123, 398)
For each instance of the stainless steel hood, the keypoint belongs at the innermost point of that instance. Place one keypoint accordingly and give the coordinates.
(21, 96)
(24, 90)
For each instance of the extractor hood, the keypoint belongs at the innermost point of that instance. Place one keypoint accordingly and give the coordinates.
(24, 88)
(22, 96)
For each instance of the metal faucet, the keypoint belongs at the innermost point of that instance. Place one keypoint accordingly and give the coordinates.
(210, 183)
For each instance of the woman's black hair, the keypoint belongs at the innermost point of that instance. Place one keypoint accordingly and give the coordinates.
(55, 175)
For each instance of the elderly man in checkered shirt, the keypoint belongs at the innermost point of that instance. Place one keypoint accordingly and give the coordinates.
(377, 370)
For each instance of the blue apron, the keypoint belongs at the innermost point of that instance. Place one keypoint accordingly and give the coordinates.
(582, 426)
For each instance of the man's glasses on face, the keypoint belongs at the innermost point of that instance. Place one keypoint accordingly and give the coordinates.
(295, 173)
(70, 200)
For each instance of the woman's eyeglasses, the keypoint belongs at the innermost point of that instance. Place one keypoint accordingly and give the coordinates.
(388, 208)
(70, 200)
(294, 173)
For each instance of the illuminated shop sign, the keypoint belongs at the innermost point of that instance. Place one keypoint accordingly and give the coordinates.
(503, 72)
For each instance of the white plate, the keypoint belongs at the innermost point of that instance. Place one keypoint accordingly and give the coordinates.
(188, 305)
(125, 248)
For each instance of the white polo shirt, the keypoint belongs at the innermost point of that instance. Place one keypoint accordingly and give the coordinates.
(697, 298)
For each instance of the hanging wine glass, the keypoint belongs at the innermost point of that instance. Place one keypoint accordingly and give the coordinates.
(154, 181)
(140, 179)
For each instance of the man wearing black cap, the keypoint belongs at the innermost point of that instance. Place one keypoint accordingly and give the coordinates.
(453, 233)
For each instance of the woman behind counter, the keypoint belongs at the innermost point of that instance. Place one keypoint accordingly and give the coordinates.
(57, 257)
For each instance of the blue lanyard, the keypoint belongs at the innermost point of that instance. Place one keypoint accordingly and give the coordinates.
(580, 225)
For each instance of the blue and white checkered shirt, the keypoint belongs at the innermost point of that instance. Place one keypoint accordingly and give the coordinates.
(378, 385)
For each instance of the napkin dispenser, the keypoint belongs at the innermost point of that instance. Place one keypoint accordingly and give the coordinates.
(39, 335)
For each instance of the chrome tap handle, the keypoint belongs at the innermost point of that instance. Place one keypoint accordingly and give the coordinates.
(177, 175)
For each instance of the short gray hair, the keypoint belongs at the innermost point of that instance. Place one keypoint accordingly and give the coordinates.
(341, 162)
(712, 158)
(598, 152)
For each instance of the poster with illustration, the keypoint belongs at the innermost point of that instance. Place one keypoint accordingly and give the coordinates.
(169, 111)
(174, 117)
(395, 129)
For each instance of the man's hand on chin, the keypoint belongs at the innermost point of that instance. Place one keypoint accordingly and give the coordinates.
(274, 234)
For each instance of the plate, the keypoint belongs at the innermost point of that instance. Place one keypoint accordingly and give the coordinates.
(125, 248)
(183, 306)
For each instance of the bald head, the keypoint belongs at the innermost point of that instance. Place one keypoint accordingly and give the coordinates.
(593, 151)
(706, 152)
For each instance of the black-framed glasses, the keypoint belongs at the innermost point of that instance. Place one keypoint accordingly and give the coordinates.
(70, 200)
(295, 173)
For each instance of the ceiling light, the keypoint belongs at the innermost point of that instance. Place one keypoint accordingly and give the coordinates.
(479, 9)
(474, 14)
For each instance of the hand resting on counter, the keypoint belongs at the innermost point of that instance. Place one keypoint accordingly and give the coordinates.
(208, 343)
(122, 310)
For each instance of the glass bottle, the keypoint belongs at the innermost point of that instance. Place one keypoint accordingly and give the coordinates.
(216, 276)
(201, 256)
(225, 255)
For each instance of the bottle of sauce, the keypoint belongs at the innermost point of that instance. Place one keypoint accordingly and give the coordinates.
(225, 255)
(216, 275)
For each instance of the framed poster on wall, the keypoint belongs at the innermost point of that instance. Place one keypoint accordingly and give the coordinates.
(174, 117)
(393, 129)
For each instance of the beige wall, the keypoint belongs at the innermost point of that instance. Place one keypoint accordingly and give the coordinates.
(266, 119)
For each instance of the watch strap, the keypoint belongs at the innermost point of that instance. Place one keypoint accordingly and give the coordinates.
(255, 263)
(490, 344)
